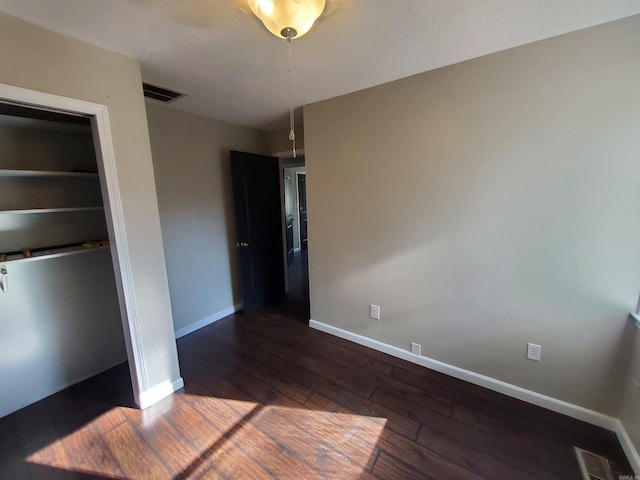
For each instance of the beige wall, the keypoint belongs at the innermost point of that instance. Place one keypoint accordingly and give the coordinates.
(191, 163)
(38, 59)
(486, 205)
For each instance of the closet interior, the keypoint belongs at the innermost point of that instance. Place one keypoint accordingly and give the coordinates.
(59, 313)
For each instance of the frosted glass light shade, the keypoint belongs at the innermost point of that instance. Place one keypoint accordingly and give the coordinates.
(278, 15)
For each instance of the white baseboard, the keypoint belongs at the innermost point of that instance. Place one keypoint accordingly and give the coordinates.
(628, 447)
(207, 320)
(553, 404)
(158, 392)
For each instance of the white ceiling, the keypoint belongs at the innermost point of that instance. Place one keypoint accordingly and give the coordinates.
(235, 70)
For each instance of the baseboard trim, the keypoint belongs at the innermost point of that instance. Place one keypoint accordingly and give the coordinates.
(207, 321)
(155, 394)
(553, 404)
(628, 447)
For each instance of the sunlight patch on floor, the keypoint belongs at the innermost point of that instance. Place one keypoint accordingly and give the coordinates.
(192, 433)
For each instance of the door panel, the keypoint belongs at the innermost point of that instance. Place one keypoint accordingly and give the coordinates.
(256, 196)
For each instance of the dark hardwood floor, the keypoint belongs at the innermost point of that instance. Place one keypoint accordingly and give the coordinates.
(295, 303)
(268, 397)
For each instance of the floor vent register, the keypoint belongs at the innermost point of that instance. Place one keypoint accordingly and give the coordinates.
(592, 466)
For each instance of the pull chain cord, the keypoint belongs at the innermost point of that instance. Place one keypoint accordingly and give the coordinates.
(292, 134)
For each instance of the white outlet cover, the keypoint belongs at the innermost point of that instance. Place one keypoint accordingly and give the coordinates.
(534, 352)
(374, 312)
(416, 348)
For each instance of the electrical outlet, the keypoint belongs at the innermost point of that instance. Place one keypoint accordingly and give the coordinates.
(534, 351)
(374, 312)
(416, 348)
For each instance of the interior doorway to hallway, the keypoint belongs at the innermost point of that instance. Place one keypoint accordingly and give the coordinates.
(296, 299)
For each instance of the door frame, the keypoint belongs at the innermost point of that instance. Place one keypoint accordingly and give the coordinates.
(298, 207)
(105, 159)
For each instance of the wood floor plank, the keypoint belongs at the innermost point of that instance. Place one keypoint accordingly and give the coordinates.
(321, 342)
(350, 433)
(133, 455)
(230, 342)
(180, 457)
(200, 433)
(211, 443)
(347, 380)
(316, 451)
(88, 453)
(109, 420)
(273, 457)
(391, 468)
(491, 446)
(428, 399)
(398, 403)
(262, 388)
(281, 383)
(395, 421)
(472, 459)
(230, 462)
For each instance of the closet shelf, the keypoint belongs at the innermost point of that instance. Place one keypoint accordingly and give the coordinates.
(53, 253)
(50, 210)
(45, 173)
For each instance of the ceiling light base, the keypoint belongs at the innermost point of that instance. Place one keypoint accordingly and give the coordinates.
(289, 33)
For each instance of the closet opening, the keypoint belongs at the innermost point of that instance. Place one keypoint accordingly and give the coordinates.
(61, 305)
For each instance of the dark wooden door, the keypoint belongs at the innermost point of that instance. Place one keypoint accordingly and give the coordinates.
(256, 195)
(302, 204)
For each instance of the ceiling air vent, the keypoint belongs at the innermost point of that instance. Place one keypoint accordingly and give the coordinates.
(592, 466)
(160, 93)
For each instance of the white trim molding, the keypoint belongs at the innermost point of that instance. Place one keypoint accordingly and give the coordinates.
(162, 390)
(628, 447)
(192, 327)
(499, 386)
(289, 153)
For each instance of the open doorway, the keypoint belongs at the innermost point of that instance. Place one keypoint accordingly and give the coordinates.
(296, 300)
(272, 251)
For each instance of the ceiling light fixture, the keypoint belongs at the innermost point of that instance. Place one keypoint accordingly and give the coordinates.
(288, 19)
